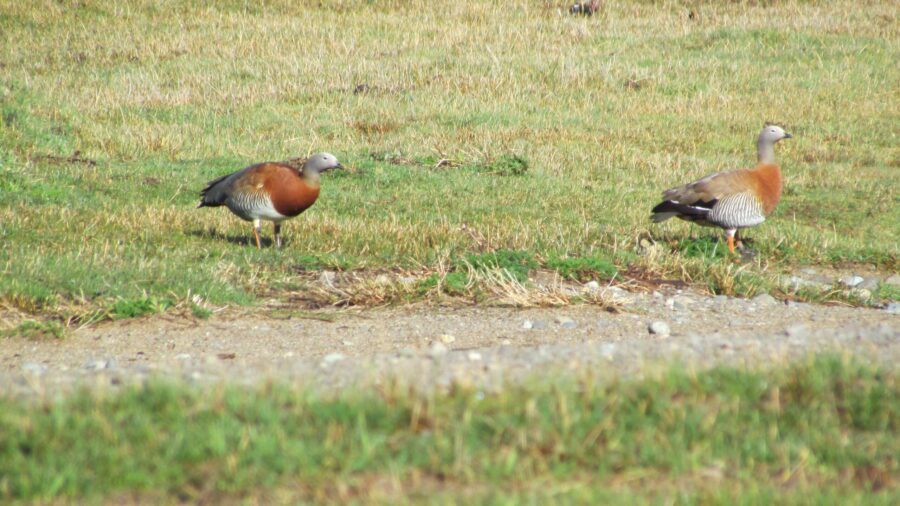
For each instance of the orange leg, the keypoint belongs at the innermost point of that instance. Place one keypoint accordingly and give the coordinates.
(731, 233)
(256, 234)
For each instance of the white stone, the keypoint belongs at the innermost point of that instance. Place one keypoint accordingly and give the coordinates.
(659, 328)
(852, 281)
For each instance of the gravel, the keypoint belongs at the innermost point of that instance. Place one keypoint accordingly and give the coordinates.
(406, 342)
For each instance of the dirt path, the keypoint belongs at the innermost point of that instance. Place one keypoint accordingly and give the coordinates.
(429, 346)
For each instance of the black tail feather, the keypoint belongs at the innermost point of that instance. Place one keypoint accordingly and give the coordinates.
(670, 209)
(209, 197)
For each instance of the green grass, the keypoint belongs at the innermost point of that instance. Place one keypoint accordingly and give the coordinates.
(486, 126)
(824, 431)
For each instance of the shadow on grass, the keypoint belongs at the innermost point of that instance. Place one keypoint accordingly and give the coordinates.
(241, 240)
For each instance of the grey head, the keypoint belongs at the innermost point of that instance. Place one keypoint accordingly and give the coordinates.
(769, 135)
(321, 162)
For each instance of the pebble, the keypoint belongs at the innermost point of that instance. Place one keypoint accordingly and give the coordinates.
(765, 299)
(327, 277)
(869, 283)
(96, 365)
(681, 303)
(183, 356)
(852, 281)
(861, 293)
(447, 338)
(798, 331)
(347, 343)
(436, 349)
(566, 322)
(332, 358)
(34, 368)
(592, 286)
(893, 280)
(536, 324)
(892, 307)
(474, 356)
(659, 328)
(796, 282)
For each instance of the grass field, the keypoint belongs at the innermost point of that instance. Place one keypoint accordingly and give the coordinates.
(484, 126)
(823, 432)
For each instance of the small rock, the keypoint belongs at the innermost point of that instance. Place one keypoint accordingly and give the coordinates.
(289, 354)
(852, 281)
(94, 365)
(592, 286)
(347, 343)
(894, 280)
(332, 358)
(659, 328)
(447, 338)
(798, 331)
(536, 324)
(892, 307)
(183, 356)
(681, 302)
(608, 350)
(437, 349)
(327, 278)
(566, 322)
(870, 283)
(505, 342)
(765, 299)
(34, 368)
(861, 293)
(819, 283)
(474, 356)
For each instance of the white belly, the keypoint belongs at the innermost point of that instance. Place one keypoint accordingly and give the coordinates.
(254, 208)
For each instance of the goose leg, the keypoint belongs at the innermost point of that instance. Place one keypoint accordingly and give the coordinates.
(256, 227)
(731, 233)
(277, 227)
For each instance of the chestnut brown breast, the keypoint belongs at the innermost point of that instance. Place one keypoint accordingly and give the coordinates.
(767, 185)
